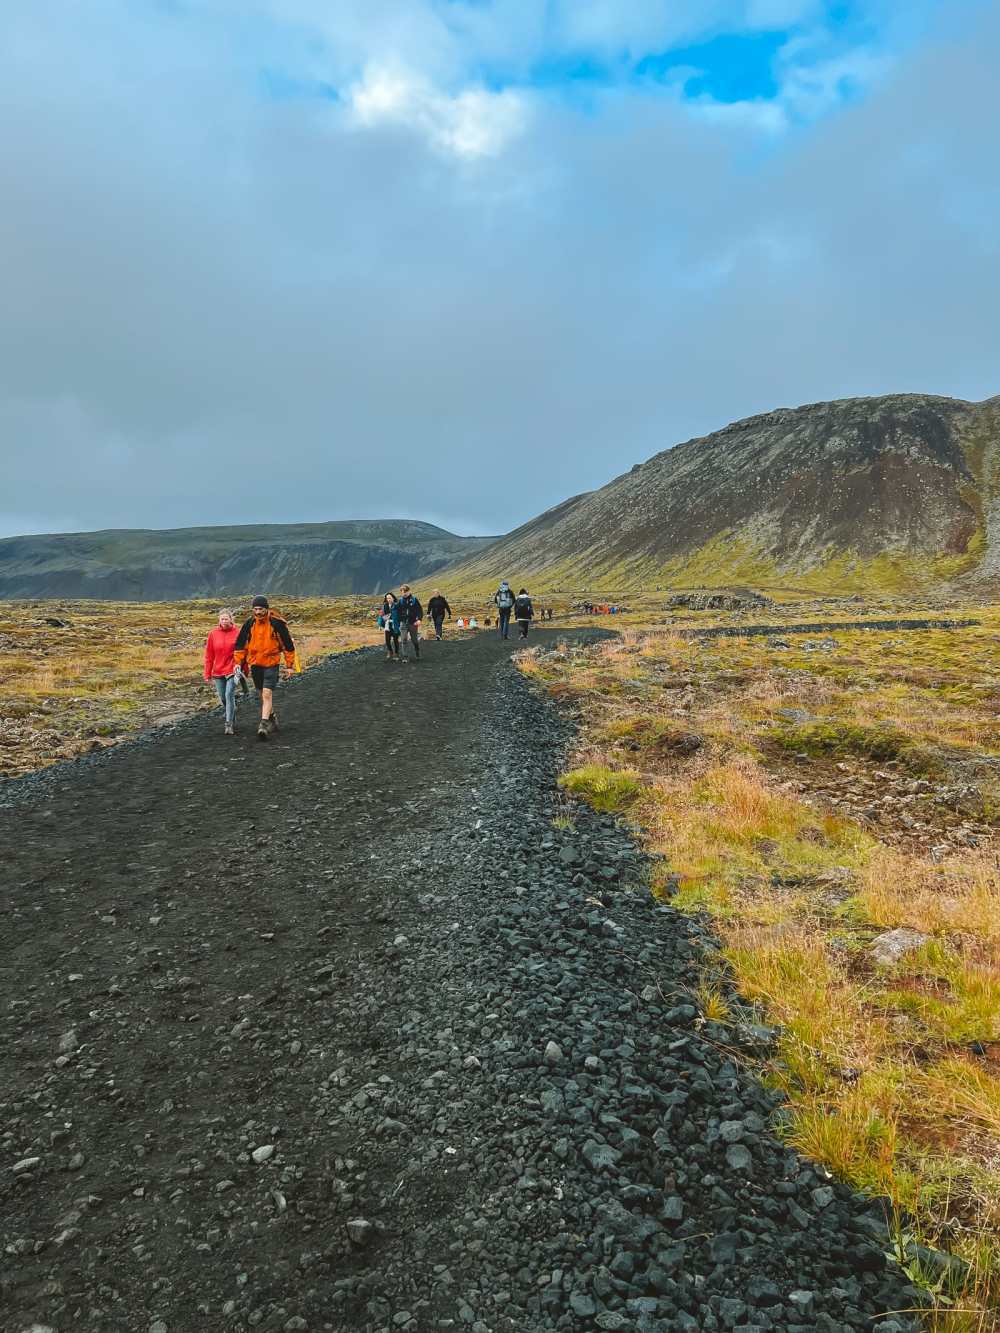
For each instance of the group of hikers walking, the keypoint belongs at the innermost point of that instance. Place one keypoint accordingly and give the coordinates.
(519, 609)
(257, 647)
(400, 619)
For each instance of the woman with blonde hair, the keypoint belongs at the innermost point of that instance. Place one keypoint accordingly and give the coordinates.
(220, 667)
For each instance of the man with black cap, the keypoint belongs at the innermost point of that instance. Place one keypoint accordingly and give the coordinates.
(410, 615)
(259, 645)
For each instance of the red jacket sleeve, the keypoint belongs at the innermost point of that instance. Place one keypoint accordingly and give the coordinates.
(208, 655)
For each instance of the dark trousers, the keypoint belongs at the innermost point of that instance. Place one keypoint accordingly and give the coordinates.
(392, 642)
(504, 622)
(438, 623)
(522, 625)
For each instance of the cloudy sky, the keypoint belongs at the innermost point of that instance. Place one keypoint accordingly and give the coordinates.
(285, 260)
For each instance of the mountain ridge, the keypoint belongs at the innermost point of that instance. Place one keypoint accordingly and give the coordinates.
(888, 493)
(165, 564)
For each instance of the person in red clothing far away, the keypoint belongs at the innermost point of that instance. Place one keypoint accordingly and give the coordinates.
(220, 668)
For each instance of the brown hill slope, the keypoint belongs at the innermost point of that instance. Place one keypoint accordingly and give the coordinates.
(893, 493)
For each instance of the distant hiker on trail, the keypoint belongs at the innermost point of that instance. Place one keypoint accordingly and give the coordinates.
(388, 620)
(410, 615)
(503, 599)
(260, 643)
(220, 667)
(524, 612)
(437, 609)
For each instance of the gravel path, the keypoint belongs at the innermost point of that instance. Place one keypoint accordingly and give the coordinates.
(339, 1032)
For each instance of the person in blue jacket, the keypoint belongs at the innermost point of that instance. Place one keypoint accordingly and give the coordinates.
(411, 613)
(389, 621)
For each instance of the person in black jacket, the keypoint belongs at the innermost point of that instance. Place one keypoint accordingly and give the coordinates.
(437, 609)
(524, 612)
(410, 615)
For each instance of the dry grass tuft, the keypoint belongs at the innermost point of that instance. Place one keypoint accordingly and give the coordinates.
(961, 893)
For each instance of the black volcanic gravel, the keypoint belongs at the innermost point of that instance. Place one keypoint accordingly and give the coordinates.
(340, 1032)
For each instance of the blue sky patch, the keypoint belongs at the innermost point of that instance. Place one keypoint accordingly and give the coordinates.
(733, 67)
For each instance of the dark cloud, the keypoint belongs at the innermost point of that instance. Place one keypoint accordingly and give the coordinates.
(225, 305)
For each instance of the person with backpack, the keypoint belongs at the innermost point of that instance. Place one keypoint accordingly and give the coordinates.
(503, 599)
(260, 644)
(437, 609)
(524, 612)
(220, 668)
(410, 615)
(388, 620)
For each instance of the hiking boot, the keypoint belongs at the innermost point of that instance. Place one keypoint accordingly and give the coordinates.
(230, 729)
(388, 657)
(272, 722)
(262, 732)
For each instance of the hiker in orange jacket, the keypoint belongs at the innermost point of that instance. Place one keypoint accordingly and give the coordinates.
(259, 645)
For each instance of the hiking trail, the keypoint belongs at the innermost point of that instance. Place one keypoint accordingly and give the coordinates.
(341, 1032)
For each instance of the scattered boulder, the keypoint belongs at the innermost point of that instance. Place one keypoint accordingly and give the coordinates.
(888, 948)
(719, 601)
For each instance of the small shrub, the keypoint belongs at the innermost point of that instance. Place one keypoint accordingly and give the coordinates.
(606, 789)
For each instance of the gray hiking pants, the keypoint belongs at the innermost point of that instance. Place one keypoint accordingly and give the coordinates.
(413, 634)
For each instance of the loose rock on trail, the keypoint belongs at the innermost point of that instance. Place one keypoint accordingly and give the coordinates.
(343, 1033)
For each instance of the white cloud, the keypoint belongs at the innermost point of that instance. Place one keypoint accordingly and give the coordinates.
(759, 115)
(220, 306)
(813, 83)
(471, 123)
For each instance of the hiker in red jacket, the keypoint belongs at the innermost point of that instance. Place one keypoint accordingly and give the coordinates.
(220, 668)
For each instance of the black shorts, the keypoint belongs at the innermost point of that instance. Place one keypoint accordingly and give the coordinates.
(264, 678)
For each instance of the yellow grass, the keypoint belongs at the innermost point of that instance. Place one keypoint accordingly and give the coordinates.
(961, 893)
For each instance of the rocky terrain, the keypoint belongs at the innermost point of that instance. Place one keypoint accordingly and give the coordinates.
(294, 559)
(897, 493)
(357, 1030)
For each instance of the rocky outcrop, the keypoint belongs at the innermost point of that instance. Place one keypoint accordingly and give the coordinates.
(719, 601)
